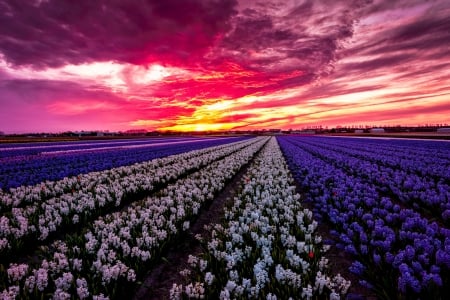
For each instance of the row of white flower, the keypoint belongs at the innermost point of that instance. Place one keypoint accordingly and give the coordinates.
(267, 247)
(23, 195)
(99, 190)
(119, 247)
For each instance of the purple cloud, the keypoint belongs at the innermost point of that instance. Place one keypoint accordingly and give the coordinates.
(57, 32)
(376, 52)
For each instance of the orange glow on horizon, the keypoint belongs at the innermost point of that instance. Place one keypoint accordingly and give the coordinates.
(235, 66)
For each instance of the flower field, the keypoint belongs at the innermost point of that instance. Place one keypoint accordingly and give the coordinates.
(29, 165)
(90, 220)
(388, 203)
(267, 247)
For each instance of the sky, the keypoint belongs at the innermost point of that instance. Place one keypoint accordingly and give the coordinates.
(196, 65)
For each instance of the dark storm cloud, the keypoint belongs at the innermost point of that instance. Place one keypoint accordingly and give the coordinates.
(286, 35)
(57, 32)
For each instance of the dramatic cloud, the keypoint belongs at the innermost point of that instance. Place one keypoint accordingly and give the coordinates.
(222, 64)
(54, 33)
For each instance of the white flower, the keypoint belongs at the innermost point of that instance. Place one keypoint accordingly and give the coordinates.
(307, 292)
(100, 297)
(41, 276)
(186, 225)
(224, 295)
(334, 296)
(63, 283)
(60, 294)
(17, 272)
(185, 272)
(11, 293)
(280, 273)
(175, 292)
(321, 281)
(82, 288)
(196, 291)
(131, 275)
(230, 286)
(193, 260)
(30, 283)
(271, 296)
(77, 264)
(4, 244)
(234, 275)
(202, 264)
(209, 278)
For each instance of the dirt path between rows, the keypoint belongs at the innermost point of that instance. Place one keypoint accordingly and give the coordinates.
(160, 280)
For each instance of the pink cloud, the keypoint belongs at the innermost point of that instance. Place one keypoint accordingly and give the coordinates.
(156, 64)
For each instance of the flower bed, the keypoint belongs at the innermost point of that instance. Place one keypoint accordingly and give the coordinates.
(116, 250)
(408, 180)
(396, 250)
(31, 166)
(267, 247)
(92, 195)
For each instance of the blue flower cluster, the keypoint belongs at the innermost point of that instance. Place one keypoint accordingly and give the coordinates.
(417, 180)
(37, 162)
(396, 248)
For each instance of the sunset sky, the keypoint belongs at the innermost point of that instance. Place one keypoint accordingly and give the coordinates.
(194, 65)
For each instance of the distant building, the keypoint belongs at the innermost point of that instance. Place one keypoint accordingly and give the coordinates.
(377, 130)
(443, 130)
(84, 133)
(135, 132)
(305, 131)
(359, 131)
(274, 130)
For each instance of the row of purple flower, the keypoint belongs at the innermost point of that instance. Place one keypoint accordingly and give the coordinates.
(393, 175)
(36, 148)
(396, 250)
(61, 161)
(426, 158)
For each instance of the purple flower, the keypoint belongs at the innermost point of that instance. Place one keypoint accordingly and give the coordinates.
(409, 253)
(406, 279)
(417, 267)
(351, 249)
(357, 268)
(364, 249)
(442, 258)
(366, 284)
(436, 279)
(435, 269)
(399, 258)
(446, 215)
(376, 258)
(389, 257)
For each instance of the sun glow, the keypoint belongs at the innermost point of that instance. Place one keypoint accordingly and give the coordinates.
(200, 127)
